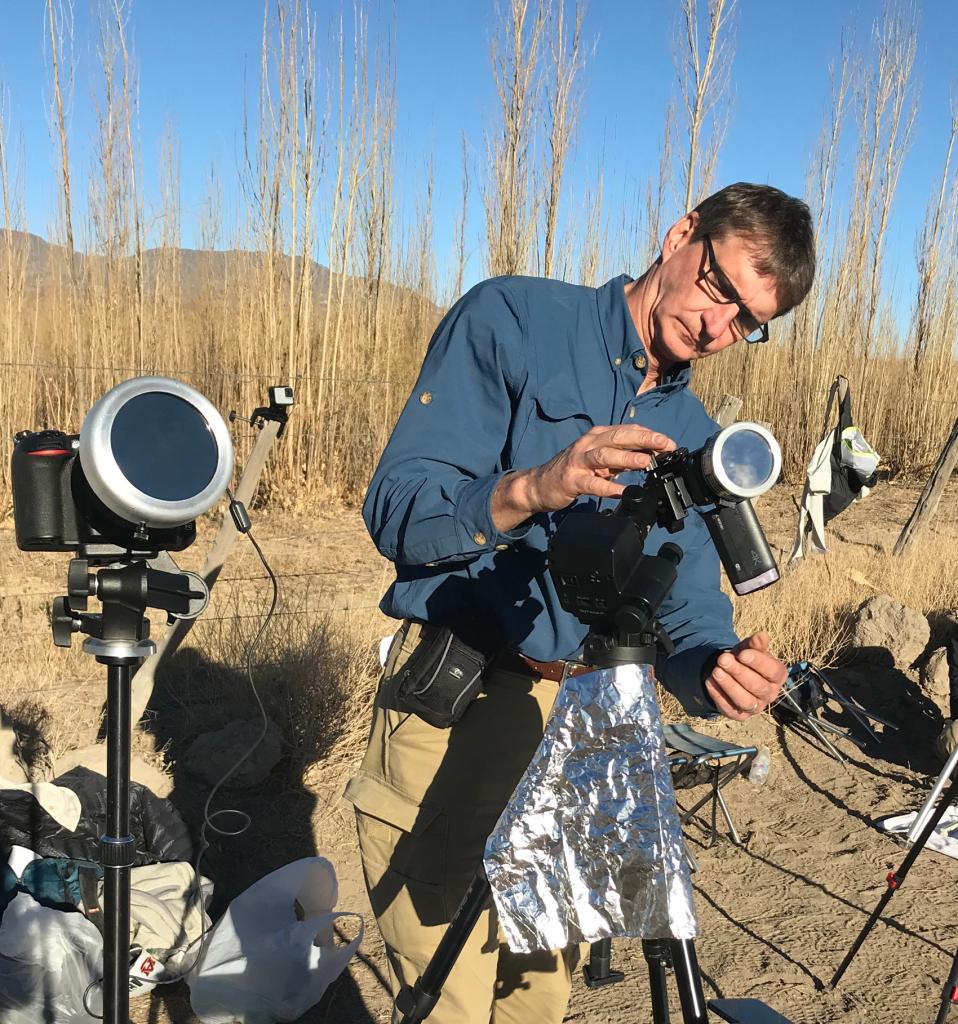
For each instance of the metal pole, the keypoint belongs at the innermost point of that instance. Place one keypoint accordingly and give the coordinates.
(117, 846)
(658, 958)
(896, 879)
(950, 995)
(922, 816)
(416, 1003)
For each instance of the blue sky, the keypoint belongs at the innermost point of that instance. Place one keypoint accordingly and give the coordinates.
(198, 60)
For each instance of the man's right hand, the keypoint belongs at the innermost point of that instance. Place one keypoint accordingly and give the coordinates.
(588, 466)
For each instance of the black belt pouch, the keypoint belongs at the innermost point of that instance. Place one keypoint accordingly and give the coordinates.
(442, 677)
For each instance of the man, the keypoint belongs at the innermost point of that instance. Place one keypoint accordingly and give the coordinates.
(536, 395)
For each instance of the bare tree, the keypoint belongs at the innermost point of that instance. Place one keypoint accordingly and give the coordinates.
(936, 251)
(510, 198)
(128, 103)
(656, 198)
(564, 99)
(704, 77)
(60, 27)
(460, 244)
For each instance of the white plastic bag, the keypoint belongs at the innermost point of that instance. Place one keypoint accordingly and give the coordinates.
(48, 958)
(272, 954)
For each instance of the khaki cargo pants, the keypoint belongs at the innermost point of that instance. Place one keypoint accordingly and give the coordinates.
(425, 800)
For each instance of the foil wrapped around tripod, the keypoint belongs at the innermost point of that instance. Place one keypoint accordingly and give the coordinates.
(590, 845)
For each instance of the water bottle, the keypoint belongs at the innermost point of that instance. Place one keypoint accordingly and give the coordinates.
(758, 773)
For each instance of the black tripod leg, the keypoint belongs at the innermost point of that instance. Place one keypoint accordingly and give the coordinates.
(688, 981)
(950, 996)
(896, 878)
(659, 960)
(416, 1003)
(598, 971)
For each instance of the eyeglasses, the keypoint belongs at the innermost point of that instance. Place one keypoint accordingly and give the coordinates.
(721, 290)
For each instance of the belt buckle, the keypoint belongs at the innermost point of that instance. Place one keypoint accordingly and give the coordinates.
(570, 667)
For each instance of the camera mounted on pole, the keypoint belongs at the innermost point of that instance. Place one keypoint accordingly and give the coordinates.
(151, 456)
(598, 563)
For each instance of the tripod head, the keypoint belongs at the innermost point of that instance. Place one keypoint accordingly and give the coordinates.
(597, 560)
(125, 590)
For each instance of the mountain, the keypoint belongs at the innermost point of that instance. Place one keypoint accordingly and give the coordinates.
(201, 272)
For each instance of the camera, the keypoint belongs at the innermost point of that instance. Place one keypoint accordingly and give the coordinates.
(597, 560)
(281, 394)
(151, 455)
(736, 464)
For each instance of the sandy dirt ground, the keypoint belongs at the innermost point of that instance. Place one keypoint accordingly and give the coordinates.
(776, 916)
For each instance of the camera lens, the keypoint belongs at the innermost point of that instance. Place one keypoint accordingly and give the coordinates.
(741, 461)
(156, 452)
(163, 446)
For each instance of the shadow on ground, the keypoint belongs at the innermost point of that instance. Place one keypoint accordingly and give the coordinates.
(194, 696)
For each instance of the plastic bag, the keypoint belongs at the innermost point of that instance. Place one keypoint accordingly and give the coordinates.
(48, 959)
(272, 954)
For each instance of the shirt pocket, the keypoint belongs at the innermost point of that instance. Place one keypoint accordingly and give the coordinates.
(559, 418)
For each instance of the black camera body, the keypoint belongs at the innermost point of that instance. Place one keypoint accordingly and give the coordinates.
(55, 509)
(597, 560)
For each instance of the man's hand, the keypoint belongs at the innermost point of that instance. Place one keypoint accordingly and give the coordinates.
(746, 679)
(586, 467)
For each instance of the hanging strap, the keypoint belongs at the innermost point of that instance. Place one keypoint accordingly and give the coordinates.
(844, 405)
(839, 390)
(89, 895)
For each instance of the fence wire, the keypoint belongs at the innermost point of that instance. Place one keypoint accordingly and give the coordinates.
(298, 378)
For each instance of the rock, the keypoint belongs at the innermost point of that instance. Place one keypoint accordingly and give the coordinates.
(947, 740)
(94, 758)
(885, 630)
(935, 681)
(10, 768)
(211, 755)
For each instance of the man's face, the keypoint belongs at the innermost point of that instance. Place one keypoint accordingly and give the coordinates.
(690, 318)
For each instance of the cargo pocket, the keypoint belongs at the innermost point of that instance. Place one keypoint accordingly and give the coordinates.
(403, 848)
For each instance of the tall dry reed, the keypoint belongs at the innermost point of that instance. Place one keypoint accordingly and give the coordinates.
(115, 294)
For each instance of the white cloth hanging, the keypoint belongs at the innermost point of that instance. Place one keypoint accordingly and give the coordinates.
(818, 483)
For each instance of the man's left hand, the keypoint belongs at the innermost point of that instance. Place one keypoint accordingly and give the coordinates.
(746, 679)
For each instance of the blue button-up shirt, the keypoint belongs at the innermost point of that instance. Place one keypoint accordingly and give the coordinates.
(518, 369)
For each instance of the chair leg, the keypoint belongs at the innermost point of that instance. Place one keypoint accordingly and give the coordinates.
(720, 800)
(689, 856)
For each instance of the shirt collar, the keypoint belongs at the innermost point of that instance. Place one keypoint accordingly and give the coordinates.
(622, 341)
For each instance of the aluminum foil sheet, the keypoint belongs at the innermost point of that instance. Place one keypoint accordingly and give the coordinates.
(590, 845)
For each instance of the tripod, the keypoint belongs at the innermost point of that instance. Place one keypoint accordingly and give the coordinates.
(119, 638)
(632, 637)
(927, 819)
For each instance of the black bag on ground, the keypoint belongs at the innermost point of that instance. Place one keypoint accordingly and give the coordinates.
(441, 679)
(159, 832)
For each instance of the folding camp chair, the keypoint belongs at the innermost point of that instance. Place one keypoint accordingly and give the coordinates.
(807, 691)
(697, 759)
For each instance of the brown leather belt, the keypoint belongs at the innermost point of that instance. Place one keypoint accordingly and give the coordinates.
(513, 661)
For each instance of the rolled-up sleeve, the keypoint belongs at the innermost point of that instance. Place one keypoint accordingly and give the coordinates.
(698, 618)
(430, 498)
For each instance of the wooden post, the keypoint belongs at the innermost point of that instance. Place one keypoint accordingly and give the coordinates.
(930, 497)
(143, 681)
(728, 410)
